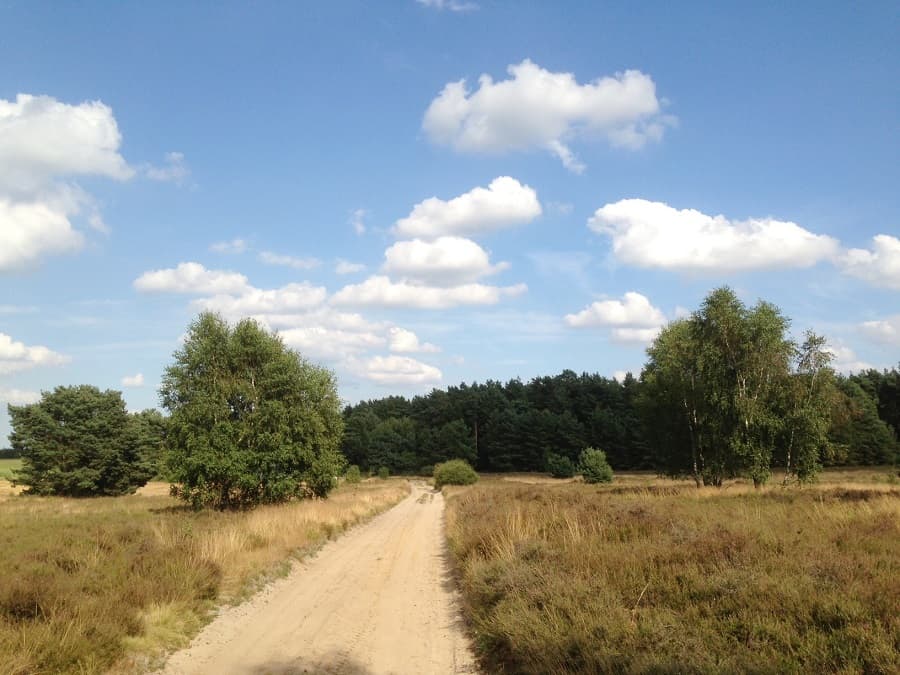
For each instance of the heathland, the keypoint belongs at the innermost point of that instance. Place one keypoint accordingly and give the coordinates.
(659, 576)
(92, 584)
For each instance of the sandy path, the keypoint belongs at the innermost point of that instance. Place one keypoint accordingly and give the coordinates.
(377, 600)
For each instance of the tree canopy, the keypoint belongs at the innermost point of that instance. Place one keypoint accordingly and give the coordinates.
(79, 442)
(251, 421)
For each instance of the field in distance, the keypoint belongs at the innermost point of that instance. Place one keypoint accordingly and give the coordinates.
(7, 467)
(92, 584)
(653, 575)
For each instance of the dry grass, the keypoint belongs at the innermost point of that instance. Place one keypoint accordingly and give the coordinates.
(86, 585)
(653, 576)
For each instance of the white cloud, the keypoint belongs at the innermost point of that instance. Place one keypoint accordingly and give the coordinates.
(288, 298)
(19, 396)
(42, 138)
(358, 220)
(504, 203)
(632, 319)
(31, 230)
(446, 261)
(17, 356)
(333, 344)
(886, 330)
(380, 291)
(845, 360)
(234, 246)
(879, 266)
(347, 267)
(406, 342)
(43, 142)
(653, 234)
(193, 278)
(270, 258)
(452, 5)
(133, 380)
(174, 171)
(397, 370)
(537, 108)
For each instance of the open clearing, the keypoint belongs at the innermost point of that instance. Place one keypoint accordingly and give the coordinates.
(379, 600)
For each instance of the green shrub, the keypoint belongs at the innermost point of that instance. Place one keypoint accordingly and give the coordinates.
(454, 472)
(353, 474)
(594, 467)
(427, 470)
(384, 472)
(559, 466)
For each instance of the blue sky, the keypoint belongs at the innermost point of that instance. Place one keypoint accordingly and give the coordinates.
(322, 167)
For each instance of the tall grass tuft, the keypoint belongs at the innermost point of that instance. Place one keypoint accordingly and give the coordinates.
(573, 578)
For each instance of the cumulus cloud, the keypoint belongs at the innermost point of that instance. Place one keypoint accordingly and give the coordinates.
(446, 261)
(133, 381)
(536, 108)
(175, 169)
(332, 344)
(846, 360)
(504, 203)
(397, 370)
(346, 267)
(17, 356)
(31, 230)
(44, 142)
(192, 278)
(655, 235)
(42, 138)
(406, 342)
(234, 246)
(879, 266)
(19, 396)
(288, 298)
(380, 291)
(270, 258)
(886, 331)
(631, 319)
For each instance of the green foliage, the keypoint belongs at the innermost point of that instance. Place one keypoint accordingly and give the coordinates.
(454, 472)
(81, 442)
(594, 467)
(384, 472)
(500, 427)
(720, 399)
(353, 474)
(560, 466)
(251, 421)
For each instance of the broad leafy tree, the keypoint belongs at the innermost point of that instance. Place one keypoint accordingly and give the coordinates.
(721, 398)
(251, 421)
(81, 442)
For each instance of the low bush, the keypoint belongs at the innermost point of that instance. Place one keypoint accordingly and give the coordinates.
(353, 474)
(384, 472)
(594, 467)
(454, 472)
(559, 466)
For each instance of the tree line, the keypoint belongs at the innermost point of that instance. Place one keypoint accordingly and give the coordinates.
(725, 392)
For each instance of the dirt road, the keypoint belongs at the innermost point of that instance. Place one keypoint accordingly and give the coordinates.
(377, 600)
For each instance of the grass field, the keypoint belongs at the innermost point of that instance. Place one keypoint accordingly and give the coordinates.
(92, 584)
(7, 467)
(655, 576)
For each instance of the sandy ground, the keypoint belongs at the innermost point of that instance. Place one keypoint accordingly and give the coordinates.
(377, 600)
